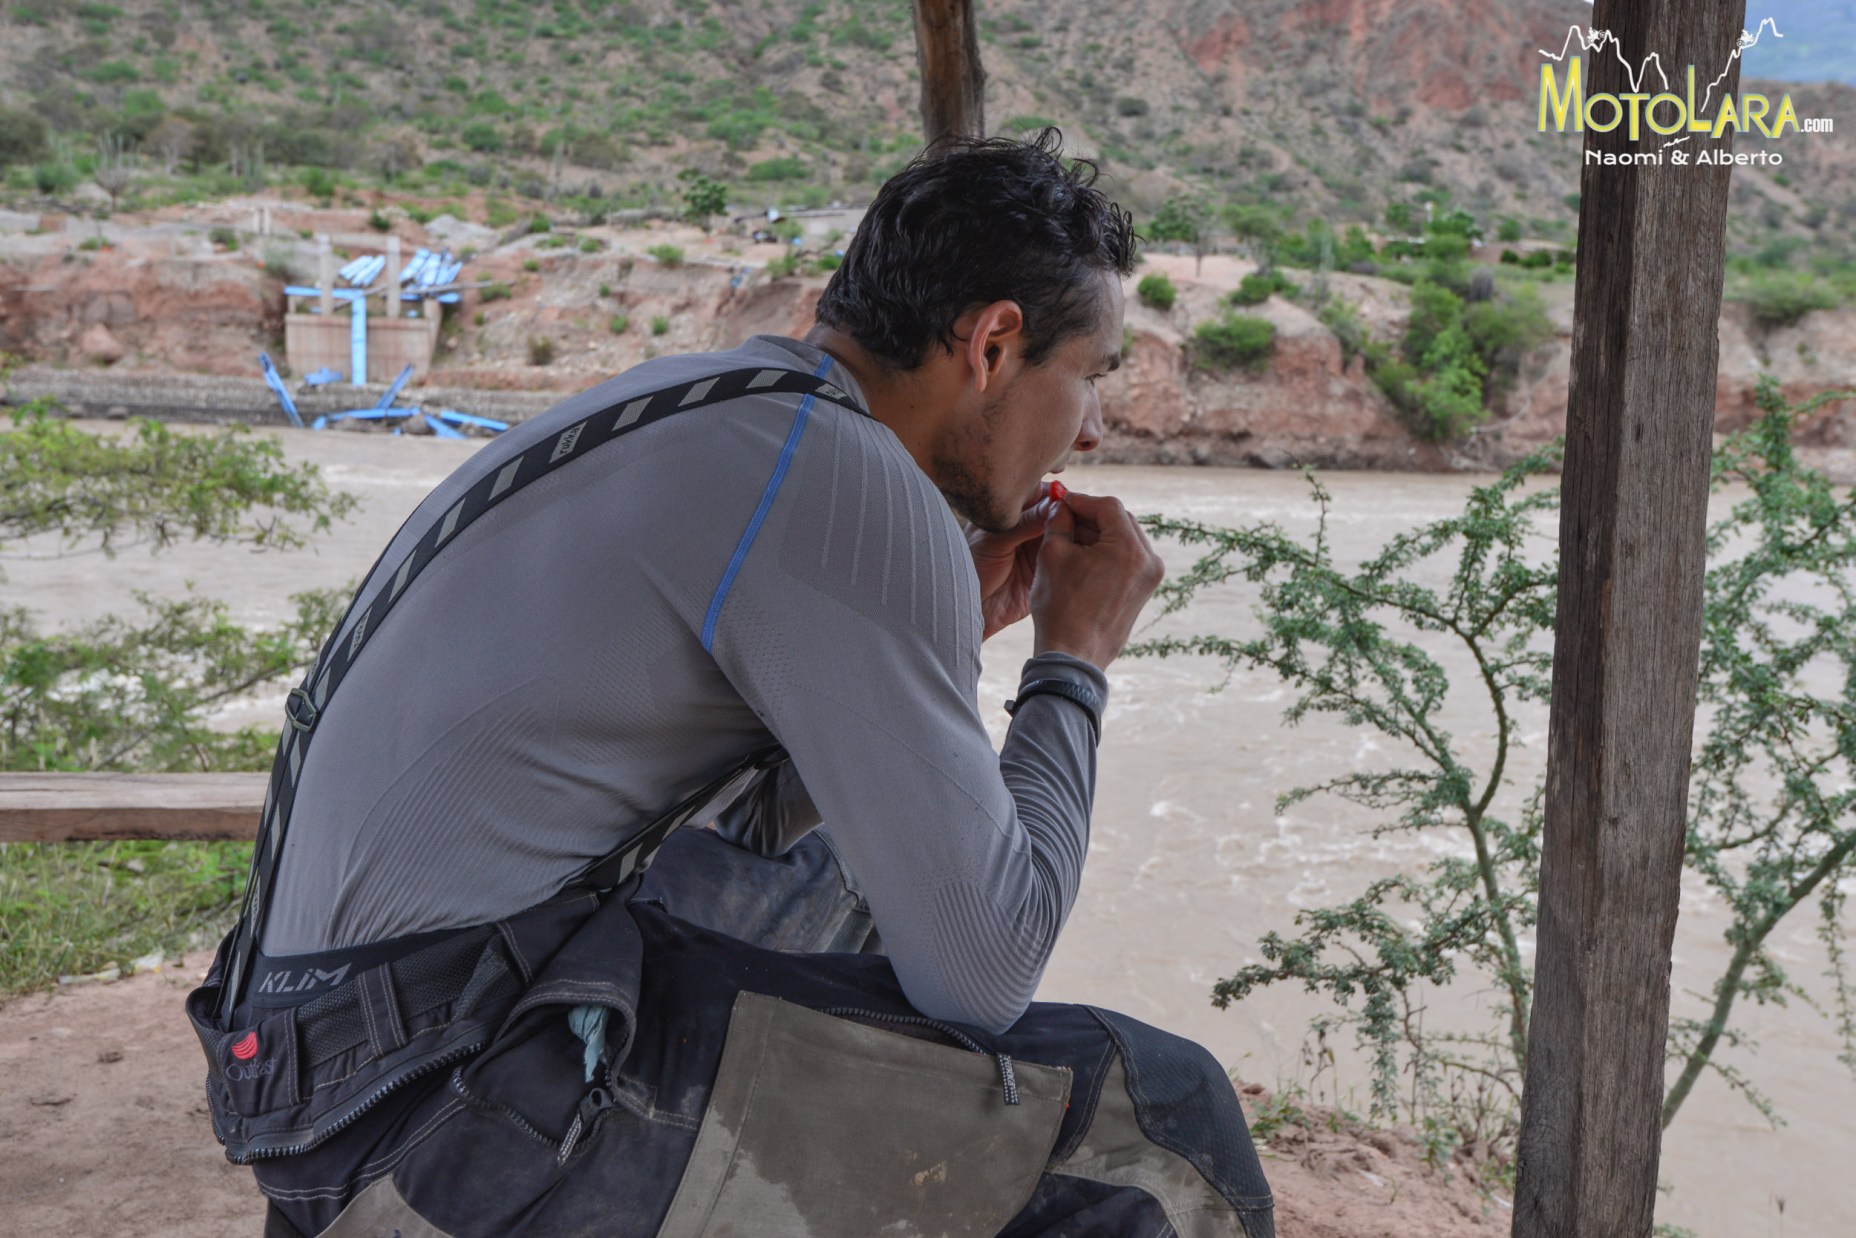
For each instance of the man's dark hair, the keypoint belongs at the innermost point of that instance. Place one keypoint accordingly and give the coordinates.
(972, 221)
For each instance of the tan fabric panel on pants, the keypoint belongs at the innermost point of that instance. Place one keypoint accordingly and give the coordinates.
(380, 1212)
(1114, 1150)
(820, 1127)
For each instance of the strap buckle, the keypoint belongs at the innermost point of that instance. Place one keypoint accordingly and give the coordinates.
(300, 710)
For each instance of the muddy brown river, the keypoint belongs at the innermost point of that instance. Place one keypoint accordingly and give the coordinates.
(1189, 863)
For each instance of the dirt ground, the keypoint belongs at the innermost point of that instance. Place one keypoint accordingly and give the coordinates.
(103, 1126)
(103, 1130)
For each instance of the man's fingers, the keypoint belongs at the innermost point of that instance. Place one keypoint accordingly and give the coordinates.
(1060, 525)
(1097, 514)
(1029, 527)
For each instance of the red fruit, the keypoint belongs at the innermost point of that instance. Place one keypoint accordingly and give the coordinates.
(1058, 490)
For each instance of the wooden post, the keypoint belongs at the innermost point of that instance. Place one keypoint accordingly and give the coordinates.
(1635, 491)
(947, 50)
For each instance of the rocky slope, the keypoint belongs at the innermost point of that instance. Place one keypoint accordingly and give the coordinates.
(1337, 107)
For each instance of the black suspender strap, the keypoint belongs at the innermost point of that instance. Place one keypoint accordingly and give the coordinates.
(305, 703)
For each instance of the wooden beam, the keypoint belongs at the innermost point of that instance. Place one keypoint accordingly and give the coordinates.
(947, 51)
(98, 807)
(1634, 509)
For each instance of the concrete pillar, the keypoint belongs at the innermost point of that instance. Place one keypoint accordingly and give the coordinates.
(325, 273)
(392, 276)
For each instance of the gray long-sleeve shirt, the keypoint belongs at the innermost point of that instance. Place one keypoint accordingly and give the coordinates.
(603, 642)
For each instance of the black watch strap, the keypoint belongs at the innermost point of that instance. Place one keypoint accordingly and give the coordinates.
(1069, 690)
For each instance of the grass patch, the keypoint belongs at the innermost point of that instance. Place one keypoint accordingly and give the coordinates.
(78, 908)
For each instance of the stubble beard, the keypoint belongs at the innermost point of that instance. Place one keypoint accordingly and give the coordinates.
(963, 464)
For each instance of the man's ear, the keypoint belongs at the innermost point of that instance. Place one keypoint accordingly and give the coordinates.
(994, 340)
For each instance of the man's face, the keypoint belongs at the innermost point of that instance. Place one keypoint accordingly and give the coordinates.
(1033, 418)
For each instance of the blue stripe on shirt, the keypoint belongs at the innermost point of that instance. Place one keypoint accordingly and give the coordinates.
(760, 514)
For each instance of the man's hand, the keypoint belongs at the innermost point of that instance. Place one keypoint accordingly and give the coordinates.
(1006, 563)
(1095, 569)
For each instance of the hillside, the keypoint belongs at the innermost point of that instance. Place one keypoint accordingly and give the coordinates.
(1336, 108)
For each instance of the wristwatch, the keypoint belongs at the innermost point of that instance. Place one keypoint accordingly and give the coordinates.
(1069, 690)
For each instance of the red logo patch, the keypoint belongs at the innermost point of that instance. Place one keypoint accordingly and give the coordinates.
(247, 1048)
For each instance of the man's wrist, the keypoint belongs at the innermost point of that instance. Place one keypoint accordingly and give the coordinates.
(1069, 668)
(1079, 651)
(1083, 697)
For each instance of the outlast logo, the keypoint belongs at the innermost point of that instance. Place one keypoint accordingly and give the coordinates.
(244, 1066)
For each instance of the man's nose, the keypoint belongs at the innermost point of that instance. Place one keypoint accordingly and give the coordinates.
(1089, 437)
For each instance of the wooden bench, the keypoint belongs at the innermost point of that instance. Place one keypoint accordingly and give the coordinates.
(41, 808)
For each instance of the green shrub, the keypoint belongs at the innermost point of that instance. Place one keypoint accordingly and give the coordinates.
(538, 223)
(482, 137)
(590, 245)
(223, 236)
(668, 255)
(784, 168)
(1506, 329)
(541, 351)
(1348, 327)
(826, 263)
(618, 323)
(53, 178)
(1363, 641)
(481, 318)
(379, 222)
(494, 292)
(113, 73)
(1508, 230)
(605, 290)
(1260, 286)
(23, 136)
(1157, 291)
(1433, 308)
(1781, 298)
(1448, 400)
(659, 324)
(531, 264)
(318, 182)
(499, 214)
(1233, 341)
(90, 243)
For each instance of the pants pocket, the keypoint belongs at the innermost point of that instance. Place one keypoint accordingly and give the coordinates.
(827, 1128)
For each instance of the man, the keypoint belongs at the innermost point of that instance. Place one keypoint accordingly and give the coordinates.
(459, 1010)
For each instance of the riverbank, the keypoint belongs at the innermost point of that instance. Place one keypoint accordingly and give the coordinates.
(126, 317)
